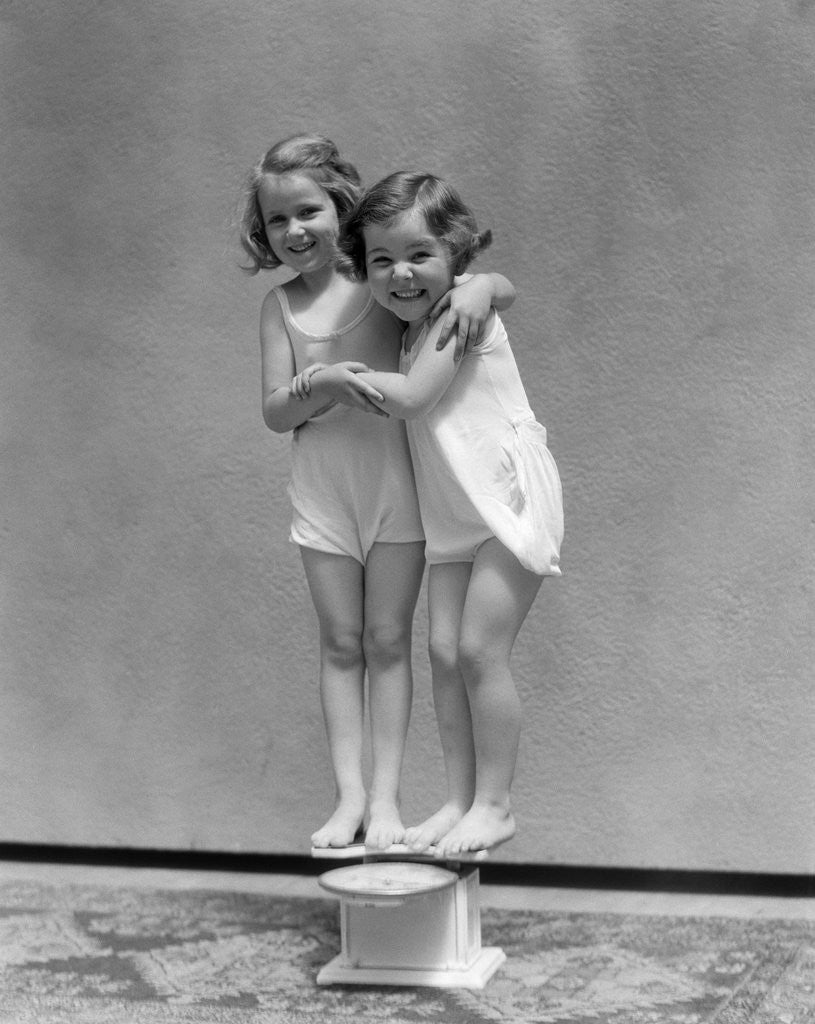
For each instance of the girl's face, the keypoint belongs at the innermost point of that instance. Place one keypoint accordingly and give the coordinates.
(408, 267)
(300, 220)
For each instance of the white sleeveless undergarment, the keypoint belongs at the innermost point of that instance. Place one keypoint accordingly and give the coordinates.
(482, 465)
(352, 482)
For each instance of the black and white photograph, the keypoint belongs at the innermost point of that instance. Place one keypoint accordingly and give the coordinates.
(407, 512)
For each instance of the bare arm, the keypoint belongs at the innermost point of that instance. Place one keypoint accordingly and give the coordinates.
(282, 411)
(468, 304)
(412, 395)
(501, 288)
(285, 405)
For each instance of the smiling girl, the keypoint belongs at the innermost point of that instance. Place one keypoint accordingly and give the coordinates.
(355, 513)
(489, 495)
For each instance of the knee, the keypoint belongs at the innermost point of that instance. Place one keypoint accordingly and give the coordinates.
(385, 644)
(476, 657)
(443, 655)
(342, 646)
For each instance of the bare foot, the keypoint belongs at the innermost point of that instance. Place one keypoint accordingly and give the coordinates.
(420, 837)
(343, 825)
(482, 827)
(384, 827)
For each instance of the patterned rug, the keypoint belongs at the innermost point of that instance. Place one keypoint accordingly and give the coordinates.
(83, 955)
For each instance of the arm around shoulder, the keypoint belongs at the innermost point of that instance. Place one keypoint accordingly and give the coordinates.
(503, 292)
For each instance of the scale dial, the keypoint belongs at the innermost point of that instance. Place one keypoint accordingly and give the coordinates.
(387, 878)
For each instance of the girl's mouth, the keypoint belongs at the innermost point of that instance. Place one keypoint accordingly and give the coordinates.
(412, 293)
(304, 247)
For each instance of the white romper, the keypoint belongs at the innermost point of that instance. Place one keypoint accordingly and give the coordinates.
(482, 465)
(352, 481)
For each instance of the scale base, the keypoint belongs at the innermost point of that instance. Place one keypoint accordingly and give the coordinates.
(404, 923)
(476, 975)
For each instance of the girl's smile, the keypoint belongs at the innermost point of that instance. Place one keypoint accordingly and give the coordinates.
(300, 220)
(408, 267)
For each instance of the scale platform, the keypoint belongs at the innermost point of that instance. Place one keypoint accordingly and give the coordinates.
(359, 851)
(404, 921)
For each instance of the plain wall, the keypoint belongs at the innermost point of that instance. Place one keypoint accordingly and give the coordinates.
(646, 168)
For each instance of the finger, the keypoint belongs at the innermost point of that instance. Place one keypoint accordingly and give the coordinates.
(365, 404)
(372, 393)
(461, 339)
(370, 407)
(368, 390)
(446, 331)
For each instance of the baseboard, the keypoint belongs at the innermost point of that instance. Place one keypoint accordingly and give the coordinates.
(493, 872)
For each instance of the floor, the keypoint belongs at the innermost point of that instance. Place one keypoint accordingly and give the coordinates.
(501, 896)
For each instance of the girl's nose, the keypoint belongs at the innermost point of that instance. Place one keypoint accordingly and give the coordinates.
(402, 270)
(295, 228)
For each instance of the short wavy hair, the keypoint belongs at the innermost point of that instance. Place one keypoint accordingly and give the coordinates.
(447, 215)
(306, 153)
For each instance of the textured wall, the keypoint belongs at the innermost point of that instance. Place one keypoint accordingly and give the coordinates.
(647, 170)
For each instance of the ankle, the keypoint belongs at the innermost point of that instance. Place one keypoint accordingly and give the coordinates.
(501, 806)
(383, 805)
(351, 797)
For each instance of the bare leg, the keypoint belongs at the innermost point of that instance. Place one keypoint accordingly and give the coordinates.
(393, 576)
(447, 590)
(499, 596)
(336, 585)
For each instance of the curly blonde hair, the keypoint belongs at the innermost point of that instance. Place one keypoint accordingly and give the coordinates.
(306, 153)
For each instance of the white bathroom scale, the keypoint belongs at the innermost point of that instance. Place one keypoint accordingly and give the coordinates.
(408, 922)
